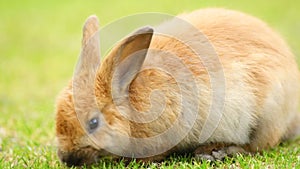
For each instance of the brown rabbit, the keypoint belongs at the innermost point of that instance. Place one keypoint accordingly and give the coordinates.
(225, 83)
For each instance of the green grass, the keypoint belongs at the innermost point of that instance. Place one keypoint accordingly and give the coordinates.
(39, 45)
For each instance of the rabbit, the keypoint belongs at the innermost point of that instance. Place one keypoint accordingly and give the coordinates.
(155, 94)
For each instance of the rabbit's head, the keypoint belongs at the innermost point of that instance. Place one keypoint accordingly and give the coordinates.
(88, 122)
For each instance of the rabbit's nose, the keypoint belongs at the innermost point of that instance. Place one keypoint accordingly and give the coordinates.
(70, 159)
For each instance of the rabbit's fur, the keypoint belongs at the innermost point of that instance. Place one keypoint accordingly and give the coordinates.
(260, 108)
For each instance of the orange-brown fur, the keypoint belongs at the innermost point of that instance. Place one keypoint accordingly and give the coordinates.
(256, 63)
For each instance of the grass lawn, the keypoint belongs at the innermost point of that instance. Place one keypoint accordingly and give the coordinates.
(39, 45)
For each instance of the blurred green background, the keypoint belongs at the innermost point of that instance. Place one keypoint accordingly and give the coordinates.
(40, 42)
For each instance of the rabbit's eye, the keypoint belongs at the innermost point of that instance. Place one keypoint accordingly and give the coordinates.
(93, 124)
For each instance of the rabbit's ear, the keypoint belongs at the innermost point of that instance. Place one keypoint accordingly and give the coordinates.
(129, 58)
(87, 66)
(90, 27)
(90, 52)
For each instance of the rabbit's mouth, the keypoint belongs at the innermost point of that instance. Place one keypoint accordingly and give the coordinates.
(84, 156)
